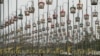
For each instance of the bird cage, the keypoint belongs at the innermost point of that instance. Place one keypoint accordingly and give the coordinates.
(49, 2)
(97, 22)
(12, 21)
(75, 26)
(27, 13)
(57, 24)
(15, 18)
(43, 28)
(59, 30)
(68, 22)
(20, 16)
(77, 19)
(86, 16)
(43, 20)
(79, 6)
(84, 29)
(38, 22)
(34, 24)
(73, 9)
(31, 9)
(63, 29)
(62, 23)
(62, 13)
(28, 26)
(52, 25)
(81, 24)
(49, 19)
(94, 14)
(47, 28)
(94, 2)
(51, 32)
(69, 27)
(1, 1)
(35, 31)
(91, 28)
(87, 23)
(64, 33)
(41, 5)
(55, 16)
(40, 30)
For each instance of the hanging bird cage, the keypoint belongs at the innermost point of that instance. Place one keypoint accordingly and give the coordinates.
(62, 23)
(12, 21)
(47, 28)
(63, 29)
(36, 31)
(38, 22)
(52, 25)
(68, 21)
(62, 13)
(91, 28)
(75, 26)
(79, 6)
(15, 18)
(55, 16)
(57, 24)
(77, 19)
(1, 1)
(49, 2)
(87, 23)
(64, 33)
(69, 27)
(86, 16)
(41, 5)
(97, 22)
(43, 28)
(28, 26)
(94, 14)
(20, 16)
(27, 13)
(59, 30)
(49, 19)
(73, 10)
(94, 2)
(34, 24)
(31, 9)
(43, 20)
(40, 30)
(81, 24)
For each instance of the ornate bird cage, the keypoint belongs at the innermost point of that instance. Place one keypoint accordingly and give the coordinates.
(20, 16)
(75, 26)
(55, 15)
(47, 28)
(52, 25)
(81, 24)
(94, 14)
(34, 24)
(86, 16)
(41, 5)
(28, 26)
(1, 1)
(87, 23)
(62, 23)
(94, 2)
(49, 19)
(73, 10)
(77, 19)
(63, 29)
(68, 21)
(27, 13)
(97, 22)
(62, 13)
(69, 27)
(49, 2)
(59, 30)
(36, 31)
(79, 6)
